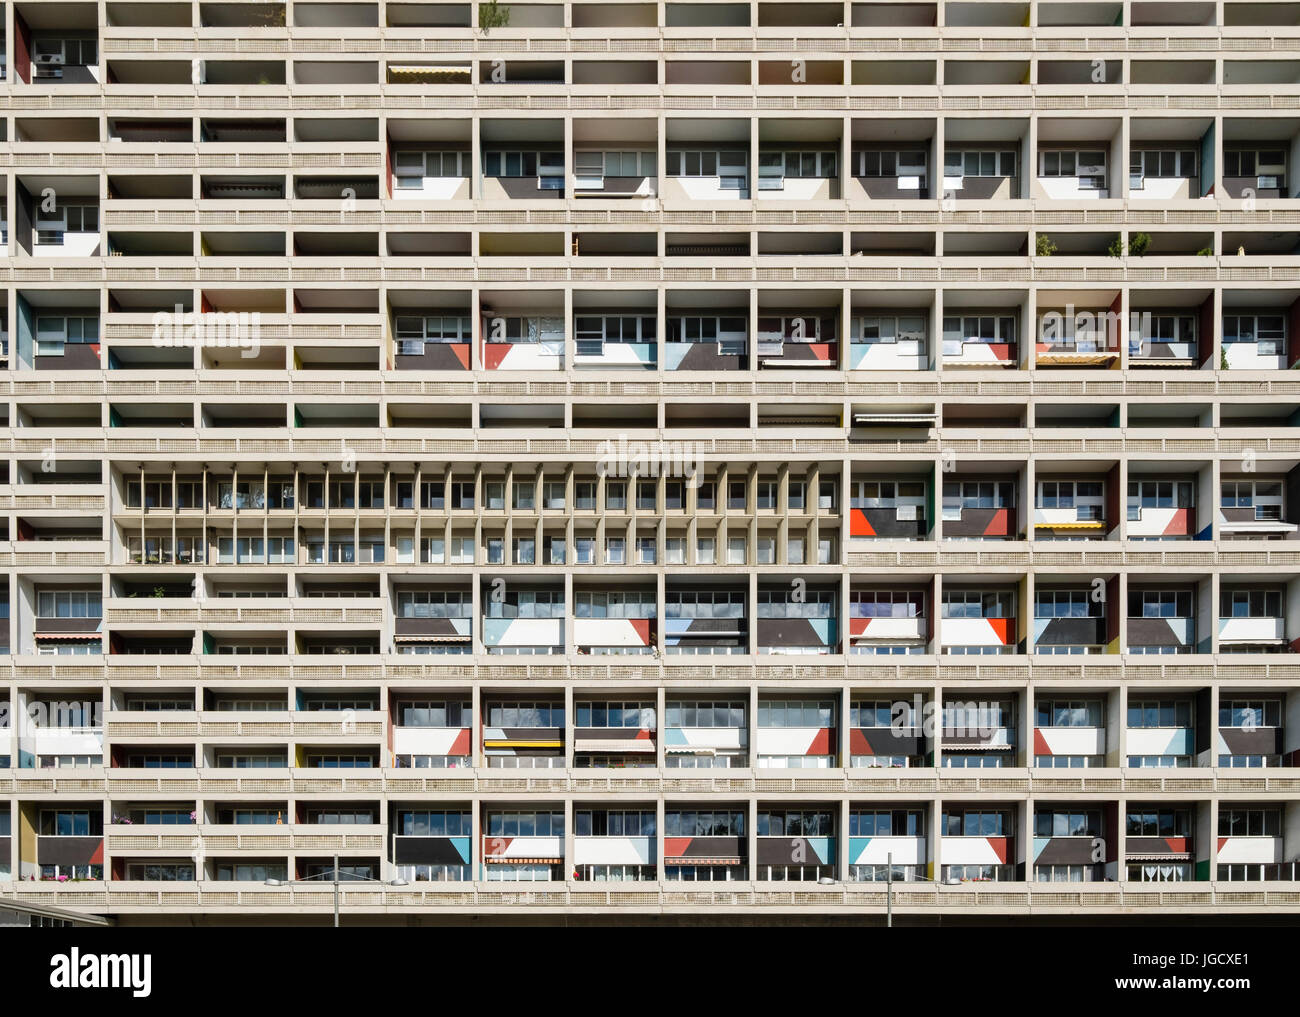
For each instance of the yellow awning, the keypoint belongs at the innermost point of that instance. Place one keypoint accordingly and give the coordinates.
(1094, 525)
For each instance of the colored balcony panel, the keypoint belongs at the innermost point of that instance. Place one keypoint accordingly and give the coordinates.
(1069, 733)
(979, 509)
(706, 734)
(802, 621)
(980, 340)
(888, 342)
(797, 734)
(1163, 509)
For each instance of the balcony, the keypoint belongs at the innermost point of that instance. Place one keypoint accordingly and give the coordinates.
(432, 342)
(888, 622)
(1073, 338)
(707, 340)
(528, 852)
(523, 343)
(627, 340)
(704, 735)
(888, 342)
(797, 341)
(980, 340)
(611, 851)
(1168, 339)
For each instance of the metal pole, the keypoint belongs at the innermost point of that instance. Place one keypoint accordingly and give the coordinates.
(889, 890)
(336, 891)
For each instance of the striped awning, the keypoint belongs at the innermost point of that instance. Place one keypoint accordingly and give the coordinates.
(690, 750)
(1173, 856)
(425, 637)
(433, 73)
(67, 635)
(512, 743)
(1077, 358)
(718, 860)
(975, 748)
(503, 860)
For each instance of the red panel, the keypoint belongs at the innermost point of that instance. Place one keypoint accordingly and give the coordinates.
(858, 744)
(461, 350)
(494, 354)
(642, 628)
(1041, 747)
(1177, 844)
(999, 525)
(1001, 628)
(460, 747)
(22, 49)
(857, 626)
(1180, 524)
(821, 743)
(858, 524)
(97, 858)
(999, 846)
(1222, 841)
(675, 847)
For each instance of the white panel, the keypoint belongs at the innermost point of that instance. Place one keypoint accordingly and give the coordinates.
(612, 851)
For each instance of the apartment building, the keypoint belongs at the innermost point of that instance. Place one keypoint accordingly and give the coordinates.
(512, 407)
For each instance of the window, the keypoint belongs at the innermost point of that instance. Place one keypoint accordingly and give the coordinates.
(730, 166)
(71, 823)
(69, 604)
(774, 167)
(1250, 604)
(889, 329)
(553, 494)
(410, 168)
(972, 823)
(1160, 603)
(1088, 165)
(54, 332)
(871, 163)
(705, 551)
(1086, 497)
(731, 334)
(1250, 714)
(1266, 331)
(546, 166)
(1264, 496)
(52, 225)
(1159, 494)
(591, 168)
(958, 163)
(615, 496)
(1158, 163)
(523, 496)
(1268, 166)
(615, 551)
(515, 330)
(735, 550)
(978, 604)
(1068, 713)
(959, 495)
